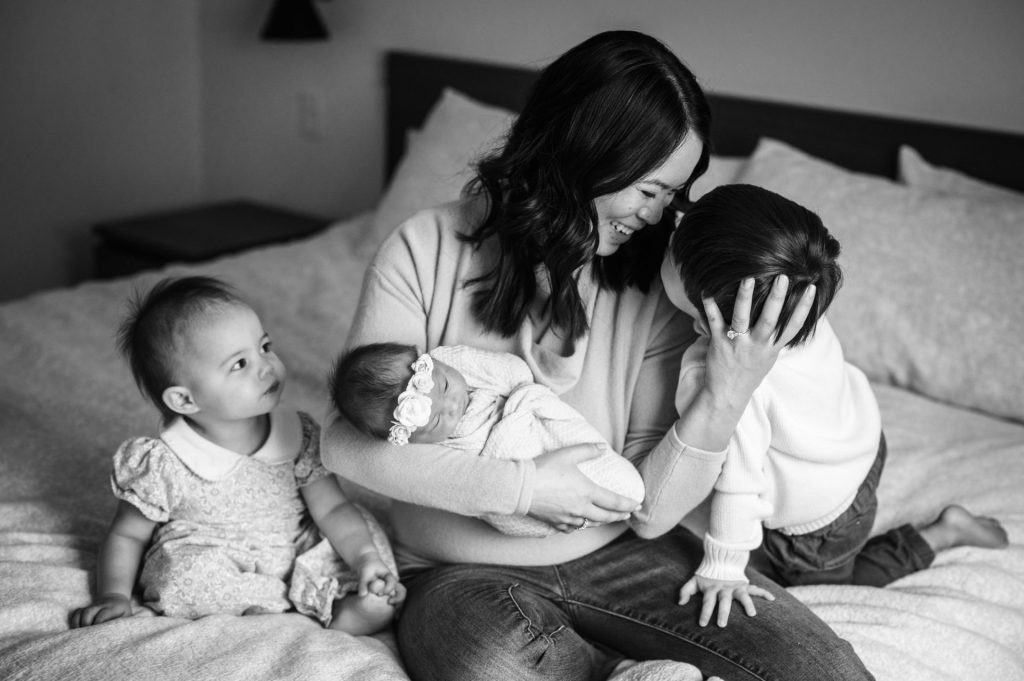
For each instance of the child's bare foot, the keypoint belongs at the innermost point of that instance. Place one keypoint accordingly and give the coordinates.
(956, 526)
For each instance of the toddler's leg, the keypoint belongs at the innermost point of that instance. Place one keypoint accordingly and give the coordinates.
(882, 560)
(323, 586)
(897, 553)
(361, 615)
(181, 580)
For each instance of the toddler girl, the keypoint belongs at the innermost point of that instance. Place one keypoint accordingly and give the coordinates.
(216, 502)
(804, 462)
(470, 399)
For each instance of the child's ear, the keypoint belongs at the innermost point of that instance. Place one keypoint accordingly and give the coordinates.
(179, 399)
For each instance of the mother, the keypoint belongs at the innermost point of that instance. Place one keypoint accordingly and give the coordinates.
(554, 255)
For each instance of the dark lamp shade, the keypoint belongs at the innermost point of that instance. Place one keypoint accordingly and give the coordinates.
(294, 20)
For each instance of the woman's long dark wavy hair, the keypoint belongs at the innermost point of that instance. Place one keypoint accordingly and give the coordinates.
(598, 119)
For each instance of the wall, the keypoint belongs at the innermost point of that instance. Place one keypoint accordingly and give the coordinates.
(114, 107)
(264, 143)
(99, 118)
(955, 61)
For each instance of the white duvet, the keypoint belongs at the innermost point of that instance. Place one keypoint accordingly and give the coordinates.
(66, 401)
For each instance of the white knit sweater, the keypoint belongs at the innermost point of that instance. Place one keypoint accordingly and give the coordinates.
(802, 448)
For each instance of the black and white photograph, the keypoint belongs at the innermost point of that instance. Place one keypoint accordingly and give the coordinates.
(465, 340)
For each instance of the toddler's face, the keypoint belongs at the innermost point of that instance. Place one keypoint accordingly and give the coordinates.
(230, 367)
(674, 286)
(448, 402)
(676, 292)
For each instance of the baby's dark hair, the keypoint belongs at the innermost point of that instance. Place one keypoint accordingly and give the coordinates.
(366, 381)
(153, 330)
(738, 231)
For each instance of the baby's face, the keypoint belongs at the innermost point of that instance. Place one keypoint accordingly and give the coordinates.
(448, 402)
(230, 367)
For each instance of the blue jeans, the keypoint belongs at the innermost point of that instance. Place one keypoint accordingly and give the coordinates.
(842, 553)
(575, 621)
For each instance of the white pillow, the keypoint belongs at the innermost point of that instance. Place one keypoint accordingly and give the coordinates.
(933, 282)
(721, 170)
(915, 171)
(436, 164)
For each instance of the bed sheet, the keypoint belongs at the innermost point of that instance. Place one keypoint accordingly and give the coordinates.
(963, 617)
(66, 401)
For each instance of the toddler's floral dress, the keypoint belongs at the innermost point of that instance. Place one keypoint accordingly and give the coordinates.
(234, 535)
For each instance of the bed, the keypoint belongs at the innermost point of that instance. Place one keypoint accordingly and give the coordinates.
(932, 226)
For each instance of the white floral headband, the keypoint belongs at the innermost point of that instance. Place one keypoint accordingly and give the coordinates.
(413, 410)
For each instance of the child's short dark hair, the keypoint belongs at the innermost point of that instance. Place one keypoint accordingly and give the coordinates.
(366, 381)
(738, 231)
(151, 332)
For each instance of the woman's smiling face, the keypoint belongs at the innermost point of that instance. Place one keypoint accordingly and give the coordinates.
(642, 203)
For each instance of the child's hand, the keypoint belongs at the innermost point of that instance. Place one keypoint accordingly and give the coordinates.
(722, 593)
(375, 578)
(397, 595)
(104, 609)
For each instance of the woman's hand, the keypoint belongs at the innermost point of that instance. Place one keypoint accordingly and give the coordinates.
(737, 365)
(564, 497)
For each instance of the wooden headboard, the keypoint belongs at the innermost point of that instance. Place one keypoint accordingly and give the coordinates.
(861, 142)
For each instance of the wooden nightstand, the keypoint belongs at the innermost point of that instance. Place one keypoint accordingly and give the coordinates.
(191, 235)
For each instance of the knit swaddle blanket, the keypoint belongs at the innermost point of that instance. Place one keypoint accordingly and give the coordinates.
(511, 417)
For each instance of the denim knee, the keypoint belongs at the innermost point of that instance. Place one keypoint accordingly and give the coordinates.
(461, 624)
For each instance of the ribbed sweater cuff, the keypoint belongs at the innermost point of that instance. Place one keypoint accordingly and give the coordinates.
(528, 472)
(723, 562)
(695, 452)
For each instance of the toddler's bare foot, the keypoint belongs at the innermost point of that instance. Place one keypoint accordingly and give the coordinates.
(956, 526)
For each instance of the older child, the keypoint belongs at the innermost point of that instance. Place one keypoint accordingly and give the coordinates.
(805, 459)
(218, 497)
(470, 399)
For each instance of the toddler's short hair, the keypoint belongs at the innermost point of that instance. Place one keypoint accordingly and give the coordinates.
(366, 381)
(153, 330)
(740, 230)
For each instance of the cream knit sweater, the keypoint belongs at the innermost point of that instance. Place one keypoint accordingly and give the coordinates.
(621, 377)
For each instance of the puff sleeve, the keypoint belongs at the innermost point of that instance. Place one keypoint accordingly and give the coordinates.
(143, 475)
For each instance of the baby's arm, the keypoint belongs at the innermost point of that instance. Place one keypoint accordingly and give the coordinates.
(345, 528)
(117, 567)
